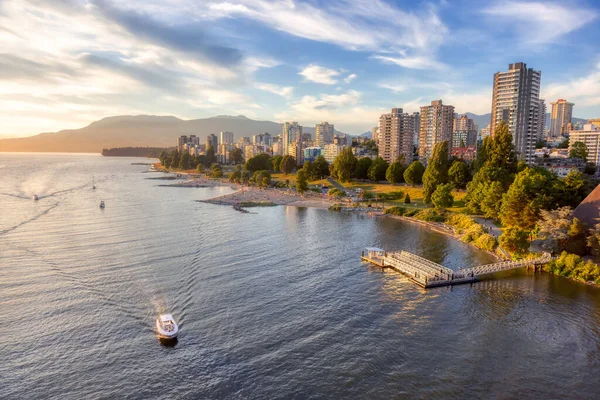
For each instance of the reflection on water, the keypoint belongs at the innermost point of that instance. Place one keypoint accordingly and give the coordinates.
(272, 305)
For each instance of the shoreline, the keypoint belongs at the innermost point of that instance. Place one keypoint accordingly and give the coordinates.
(443, 229)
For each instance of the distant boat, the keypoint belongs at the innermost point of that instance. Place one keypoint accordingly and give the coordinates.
(101, 203)
(35, 197)
(166, 327)
(94, 187)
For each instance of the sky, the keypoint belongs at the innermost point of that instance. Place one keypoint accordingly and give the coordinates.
(67, 63)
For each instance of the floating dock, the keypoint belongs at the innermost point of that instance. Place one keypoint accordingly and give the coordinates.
(428, 274)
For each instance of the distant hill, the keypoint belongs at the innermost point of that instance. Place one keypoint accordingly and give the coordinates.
(139, 131)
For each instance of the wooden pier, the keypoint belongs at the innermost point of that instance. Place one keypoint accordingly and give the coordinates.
(428, 274)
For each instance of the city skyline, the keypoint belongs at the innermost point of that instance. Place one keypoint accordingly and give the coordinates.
(350, 62)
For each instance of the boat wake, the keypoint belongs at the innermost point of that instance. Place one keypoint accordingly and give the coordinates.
(32, 219)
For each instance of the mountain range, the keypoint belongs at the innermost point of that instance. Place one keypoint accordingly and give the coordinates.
(155, 131)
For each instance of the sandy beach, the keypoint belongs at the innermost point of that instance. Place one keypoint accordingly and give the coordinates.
(276, 196)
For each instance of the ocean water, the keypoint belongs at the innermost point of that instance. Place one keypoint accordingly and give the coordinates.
(273, 304)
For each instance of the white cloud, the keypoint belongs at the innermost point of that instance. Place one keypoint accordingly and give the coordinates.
(475, 101)
(350, 78)
(365, 25)
(541, 22)
(583, 91)
(316, 73)
(396, 88)
(283, 91)
(417, 62)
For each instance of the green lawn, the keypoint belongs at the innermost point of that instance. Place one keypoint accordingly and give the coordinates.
(415, 193)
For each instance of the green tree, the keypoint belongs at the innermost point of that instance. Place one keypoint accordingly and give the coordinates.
(200, 168)
(459, 174)
(321, 167)
(579, 150)
(276, 162)
(501, 152)
(395, 173)
(344, 165)
(184, 161)
(442, 197)
(235, 176)
(259, 162)
(482, 153)
(491, 200)
(362, 168)
(211, 158)
(378, 169)
(564, 144)
(216, 170)
(414, 173)
(301, 184)
(262, 178)
(515, 240)
(236, 156)
(577, 242)
(436, 172)
(288, 163)
(245, 176)
(407, 199)
(530, 192)
(175, 156)
(309, 170)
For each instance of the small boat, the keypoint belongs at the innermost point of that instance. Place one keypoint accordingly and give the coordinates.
(101, 203)
(94, 187)
(35, 197)
(166, 327)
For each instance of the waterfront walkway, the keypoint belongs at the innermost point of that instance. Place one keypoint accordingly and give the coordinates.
(429, 274)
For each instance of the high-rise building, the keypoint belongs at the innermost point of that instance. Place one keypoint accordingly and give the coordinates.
(464, 123)
(291, 132)
(331, 151)
(374, 133)
(590, 136)
(541, 120)
(560, 117)
(324, 134)
(437, 123)
(212, 141)
(226, 137)
(396, 136)
(515, 101)
(465, 132)
(417, 131)
(181, 141)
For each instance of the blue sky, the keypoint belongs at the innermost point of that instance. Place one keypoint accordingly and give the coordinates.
(66, 63)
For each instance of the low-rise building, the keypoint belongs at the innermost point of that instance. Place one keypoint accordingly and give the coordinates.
(590, 136)
(311, 153)
(464, 153)
(560, 166)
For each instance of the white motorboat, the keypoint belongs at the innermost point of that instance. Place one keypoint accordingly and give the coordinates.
(101, 203)
(166, 327)
(35, 197)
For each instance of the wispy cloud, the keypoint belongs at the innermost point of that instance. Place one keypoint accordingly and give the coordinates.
(419, 62)
(319, 74)
(541, 22)
(283, 91)
(364, 25)
(350, 78)
(583, 91)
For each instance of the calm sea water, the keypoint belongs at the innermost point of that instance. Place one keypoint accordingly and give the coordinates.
(274, 304)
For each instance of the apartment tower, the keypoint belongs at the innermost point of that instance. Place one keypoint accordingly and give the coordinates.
(395, 136)
(291, 133)
(465, 132)
(323, 134)
(515, 101)
(437, 124)
(560, 117)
